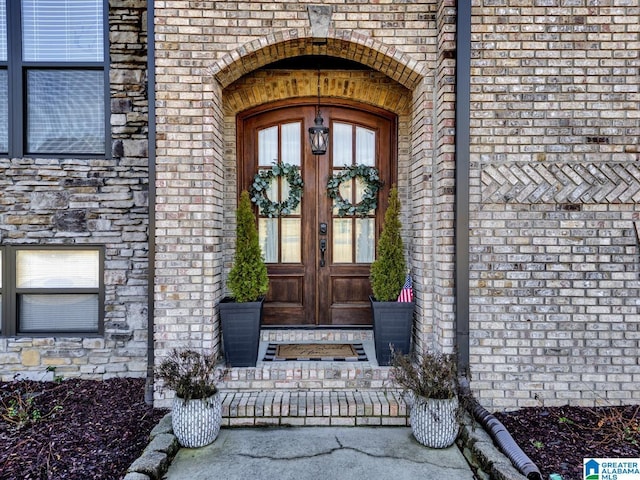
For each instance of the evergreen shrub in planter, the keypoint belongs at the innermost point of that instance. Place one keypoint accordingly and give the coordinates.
(392, 320)
(241, 314)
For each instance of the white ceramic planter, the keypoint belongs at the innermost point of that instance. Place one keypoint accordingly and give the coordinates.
(433, 421)
(196, 423)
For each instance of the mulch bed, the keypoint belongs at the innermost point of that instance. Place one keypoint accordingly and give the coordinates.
(557, 439)
(73, 429)
(84, 429)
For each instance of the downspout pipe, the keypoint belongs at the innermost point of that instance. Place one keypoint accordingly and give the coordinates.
(489, 422)
(151, 152)
(462, 135)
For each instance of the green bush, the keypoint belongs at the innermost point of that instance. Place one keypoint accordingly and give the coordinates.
(389, 270)
(248, 279)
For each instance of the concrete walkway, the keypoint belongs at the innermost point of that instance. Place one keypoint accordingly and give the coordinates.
(318, 453)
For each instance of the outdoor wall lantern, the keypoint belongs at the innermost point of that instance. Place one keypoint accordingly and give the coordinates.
(319, 134)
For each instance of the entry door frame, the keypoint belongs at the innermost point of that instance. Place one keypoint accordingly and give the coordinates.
(245, 178)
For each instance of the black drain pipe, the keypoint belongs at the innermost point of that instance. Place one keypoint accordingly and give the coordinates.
(489, 422)
(500, 435)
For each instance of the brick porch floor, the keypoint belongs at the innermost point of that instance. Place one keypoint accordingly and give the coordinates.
(313, 393)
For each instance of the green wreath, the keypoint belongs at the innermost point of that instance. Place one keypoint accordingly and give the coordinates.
(369, 201)
(262, 181)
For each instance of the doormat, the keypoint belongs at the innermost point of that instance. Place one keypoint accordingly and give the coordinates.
(320, 352)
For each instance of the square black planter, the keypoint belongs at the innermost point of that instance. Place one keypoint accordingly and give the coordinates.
(392, 323)
(240, 331)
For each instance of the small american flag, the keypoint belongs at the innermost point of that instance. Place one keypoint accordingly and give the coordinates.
(406, 294)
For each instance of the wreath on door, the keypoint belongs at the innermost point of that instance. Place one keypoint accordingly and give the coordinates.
(371, 178)
(262, 182)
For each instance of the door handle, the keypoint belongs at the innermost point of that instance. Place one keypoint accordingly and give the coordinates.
(323, 249)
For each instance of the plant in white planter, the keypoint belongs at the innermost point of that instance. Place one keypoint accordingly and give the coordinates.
(432, 381)
(196, 414)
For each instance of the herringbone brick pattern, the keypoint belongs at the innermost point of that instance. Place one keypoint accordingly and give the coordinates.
(561, 183)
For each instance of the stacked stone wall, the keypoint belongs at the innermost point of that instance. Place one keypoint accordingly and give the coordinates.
(555, 257)
(97, 202)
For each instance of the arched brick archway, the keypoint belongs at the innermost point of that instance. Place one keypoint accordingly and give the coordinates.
(388, 85)
(345, 44)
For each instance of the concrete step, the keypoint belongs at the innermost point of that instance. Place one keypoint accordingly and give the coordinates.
(314, 408)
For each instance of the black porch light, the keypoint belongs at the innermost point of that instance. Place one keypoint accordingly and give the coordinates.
(319, 134)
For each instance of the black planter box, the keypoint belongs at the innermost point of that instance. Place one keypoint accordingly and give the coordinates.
(240, 331)
(392, 323)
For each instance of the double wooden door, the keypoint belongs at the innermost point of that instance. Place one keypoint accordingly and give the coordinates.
(318, 261)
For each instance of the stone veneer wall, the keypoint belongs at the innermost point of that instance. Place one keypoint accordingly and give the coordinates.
(555, 188)
(92, 201)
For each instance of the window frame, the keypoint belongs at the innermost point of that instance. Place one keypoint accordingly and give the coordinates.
(17, 72)
(10, 293)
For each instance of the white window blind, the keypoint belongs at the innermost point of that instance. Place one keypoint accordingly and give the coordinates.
(4, 111)
(3, 30)
(57, 269)
(62, 30)
(65, 111)
(58, 313)
(45, 301)
(4, 88)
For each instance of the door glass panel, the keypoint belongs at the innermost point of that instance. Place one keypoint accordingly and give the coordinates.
(291, 236)
(346, 191)
(342, 144)
(342, 240)
(280, 237)
(268, 235)
(285, 194)
(267, 146)
(365, 146)
(291, 143)
(365, 240)
(272, 190)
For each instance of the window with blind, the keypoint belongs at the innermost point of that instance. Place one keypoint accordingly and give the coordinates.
(54, 77)
(4, 80)
(53, 290)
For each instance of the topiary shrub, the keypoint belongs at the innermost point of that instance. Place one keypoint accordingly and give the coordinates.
(248, 279)
(388, 271)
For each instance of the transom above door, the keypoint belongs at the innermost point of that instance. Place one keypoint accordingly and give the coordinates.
(317, 258)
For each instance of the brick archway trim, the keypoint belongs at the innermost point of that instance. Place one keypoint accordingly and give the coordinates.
(271, 87)
(345, 44)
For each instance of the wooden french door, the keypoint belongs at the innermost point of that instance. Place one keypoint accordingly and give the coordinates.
(318, 261)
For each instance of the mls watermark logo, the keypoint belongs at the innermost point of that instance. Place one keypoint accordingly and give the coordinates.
(611, 469)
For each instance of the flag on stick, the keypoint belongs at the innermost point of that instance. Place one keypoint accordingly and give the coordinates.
(406, 294)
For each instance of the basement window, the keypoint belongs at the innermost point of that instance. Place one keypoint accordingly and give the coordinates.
(54, 291)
